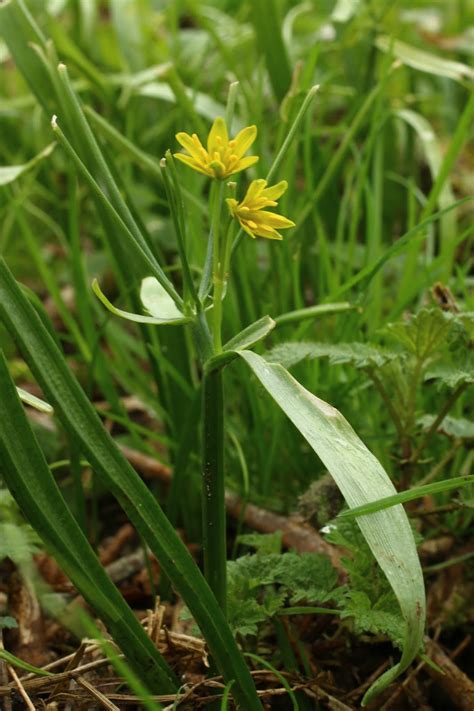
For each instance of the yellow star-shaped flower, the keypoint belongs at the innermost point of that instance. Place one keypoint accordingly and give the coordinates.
(222, 157)
(256, 221)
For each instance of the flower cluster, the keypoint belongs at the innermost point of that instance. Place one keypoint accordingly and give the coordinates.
(225, 157)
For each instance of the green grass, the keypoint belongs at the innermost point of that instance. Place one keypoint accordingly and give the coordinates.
(377, 162)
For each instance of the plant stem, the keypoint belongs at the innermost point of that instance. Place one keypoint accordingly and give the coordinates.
(217, 267)
(213, 501)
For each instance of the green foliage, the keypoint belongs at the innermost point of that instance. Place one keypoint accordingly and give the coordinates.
(367, 599)
(262, 585)
(360, 355)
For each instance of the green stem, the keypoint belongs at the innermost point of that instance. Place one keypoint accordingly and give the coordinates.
(217, 266)
(213, 490)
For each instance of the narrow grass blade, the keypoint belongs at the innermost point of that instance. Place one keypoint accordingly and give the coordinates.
(267, 26)
(31, 483)
(361, 479)
(10, 658)
(424, 61)
(128, 316)
(79, 418)
(416, 493)
(313, 312)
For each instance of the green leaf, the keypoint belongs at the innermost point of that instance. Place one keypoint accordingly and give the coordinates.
(360, 355)
(10, 658)
(34, 401)
(136, 318)
(158, 302)
(417, 492)
(8, 623)
(270, 43)
(424, 61)
(313, 312)
(29, 479)
(424, 333)
(361, 479)
(10, 173)
(452, 375)
(251, 334)
(19, 543)
(79, 418)
(377, 618)
(457, 427)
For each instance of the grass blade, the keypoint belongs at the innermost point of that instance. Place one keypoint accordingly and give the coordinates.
(30, 481)
(79, 418)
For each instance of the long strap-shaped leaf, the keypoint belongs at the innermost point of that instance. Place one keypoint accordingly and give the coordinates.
(361, 479)
(30, 481)
(79, 417)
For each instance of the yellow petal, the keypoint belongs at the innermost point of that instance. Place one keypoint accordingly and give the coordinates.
(254, 189)
(272, 219)
(275, 191)
(247, 229)
(244, 140)
(243, 164)
(267, 232)
(232, 204)
(218, 137)
(192, 145)
(200, 167)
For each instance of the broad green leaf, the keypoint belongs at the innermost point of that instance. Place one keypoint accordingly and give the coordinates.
(416, 493)
(129, 316)
(79, 418)
(424, 61)
(10, 173)
(158, 303)
(251, 335)
(362, 479)
(34, 401)
(360, 355)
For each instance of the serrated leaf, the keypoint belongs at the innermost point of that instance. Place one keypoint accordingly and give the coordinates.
(309, 576)
(264, 543)
(457, 427)
(17, 542)
(424, 333)
(8, 623)
(378, 618)
(360, 355)
(452, 375)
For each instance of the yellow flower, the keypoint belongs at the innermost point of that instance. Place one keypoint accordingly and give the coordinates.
(222, 157)
(256, 221)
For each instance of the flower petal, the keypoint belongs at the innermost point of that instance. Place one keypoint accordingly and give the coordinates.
(254, 189)
(244, 140)
(267, 232)
(200, 167)
(192, 144)
(243, 164)
(272, 219)
(218, 137)
(247, 229)
(275, 191)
